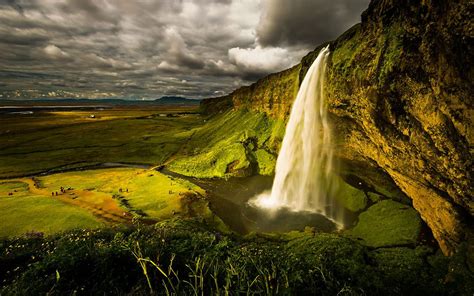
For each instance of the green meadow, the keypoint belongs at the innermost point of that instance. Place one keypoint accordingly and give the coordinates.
(24, 212)
(41, 154)
(65, 140)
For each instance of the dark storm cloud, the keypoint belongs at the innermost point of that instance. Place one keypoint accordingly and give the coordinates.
(146, 49)
(13, 4)
(308, 22)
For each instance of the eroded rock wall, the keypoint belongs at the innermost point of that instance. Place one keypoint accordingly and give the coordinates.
(404, 79)
(399, 91)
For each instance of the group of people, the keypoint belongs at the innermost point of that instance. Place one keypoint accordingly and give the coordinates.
(121, 190)
(62, 189)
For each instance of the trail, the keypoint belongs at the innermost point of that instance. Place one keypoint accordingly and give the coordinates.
(105, 207)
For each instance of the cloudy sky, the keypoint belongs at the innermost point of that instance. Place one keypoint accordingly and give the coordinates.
(150, 48)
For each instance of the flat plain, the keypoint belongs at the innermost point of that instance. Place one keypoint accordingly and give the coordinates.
(61, 170)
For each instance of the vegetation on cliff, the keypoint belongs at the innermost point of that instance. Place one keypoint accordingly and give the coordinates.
(237, 143)
(399, 91)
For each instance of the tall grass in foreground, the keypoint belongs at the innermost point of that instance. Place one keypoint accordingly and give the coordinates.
(187, 257)
(209, 276)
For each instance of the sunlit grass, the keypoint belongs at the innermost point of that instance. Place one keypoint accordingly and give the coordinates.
(53, 141)
(95, 197)
(23, 212)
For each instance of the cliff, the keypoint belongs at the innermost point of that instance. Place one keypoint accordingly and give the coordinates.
(399, 90)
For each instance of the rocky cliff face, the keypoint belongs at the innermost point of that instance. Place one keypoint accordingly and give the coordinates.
(399, 91)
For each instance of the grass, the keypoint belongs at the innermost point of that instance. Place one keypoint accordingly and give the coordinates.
(158, 195)
(64, 139)
(232, 143)
(95, 198)
(388, 223)
(187, 257)
(23, 212)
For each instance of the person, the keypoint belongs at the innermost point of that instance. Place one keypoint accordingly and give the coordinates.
(52, 193)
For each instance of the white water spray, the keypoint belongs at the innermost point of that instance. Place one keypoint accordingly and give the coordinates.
(305, 163)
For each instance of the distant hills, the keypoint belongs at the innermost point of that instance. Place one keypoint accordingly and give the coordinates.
(166, 100)
(171, 100)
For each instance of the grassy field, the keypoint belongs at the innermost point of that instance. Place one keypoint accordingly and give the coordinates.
(24, 211)
(30, 144)
(232, 143)
(57, 142)
(95, 198)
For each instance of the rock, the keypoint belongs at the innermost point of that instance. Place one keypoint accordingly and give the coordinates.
(350, 197)
(387, 223)
(399, 91)
(374, 197)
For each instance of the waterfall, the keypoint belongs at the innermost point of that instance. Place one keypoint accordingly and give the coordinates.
(305, 163)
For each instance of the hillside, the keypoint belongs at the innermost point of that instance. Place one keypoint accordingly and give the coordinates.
(399, 90)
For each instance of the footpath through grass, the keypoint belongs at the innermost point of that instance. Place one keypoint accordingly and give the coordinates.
(24, 212)
(96, 198)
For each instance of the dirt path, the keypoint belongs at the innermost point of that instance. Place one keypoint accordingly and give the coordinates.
(101, 205)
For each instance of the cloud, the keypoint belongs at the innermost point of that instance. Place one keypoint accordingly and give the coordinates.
(55, 52)
(306, 22)
(261, 60)
(178, 54)
(148, 48)
(14, 4)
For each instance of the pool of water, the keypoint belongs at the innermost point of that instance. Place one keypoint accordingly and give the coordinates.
(228, 199)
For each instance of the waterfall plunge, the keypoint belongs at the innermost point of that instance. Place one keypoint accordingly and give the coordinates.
(305, 164)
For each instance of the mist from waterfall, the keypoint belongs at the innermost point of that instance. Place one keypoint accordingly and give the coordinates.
(305, 165)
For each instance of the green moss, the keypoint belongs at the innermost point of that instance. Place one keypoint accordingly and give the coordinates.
(228, 145)
(351, 198)
(407, 267)
(344, 55)
(272, 94)
(219, 162)
(390, 52)
(277, 134)
(388, 223)
(266, 162)
(374, 197)
(361, 58)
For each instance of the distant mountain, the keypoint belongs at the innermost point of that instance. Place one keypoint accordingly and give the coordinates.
(167, 100)
(171, 100)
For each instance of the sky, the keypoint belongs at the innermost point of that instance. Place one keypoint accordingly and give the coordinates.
(145, 49)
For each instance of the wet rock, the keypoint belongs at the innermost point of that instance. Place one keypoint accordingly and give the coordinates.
(350, 197)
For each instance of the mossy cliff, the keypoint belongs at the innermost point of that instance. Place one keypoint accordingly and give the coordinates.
(399, 91)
